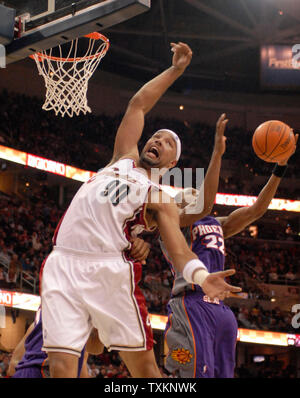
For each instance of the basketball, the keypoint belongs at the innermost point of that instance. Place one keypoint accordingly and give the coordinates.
(273, 141)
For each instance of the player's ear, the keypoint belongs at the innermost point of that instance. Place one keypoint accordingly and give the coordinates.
(172, 164)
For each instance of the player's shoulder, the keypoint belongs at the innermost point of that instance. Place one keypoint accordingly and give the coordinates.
(210, 223)
(130, 161)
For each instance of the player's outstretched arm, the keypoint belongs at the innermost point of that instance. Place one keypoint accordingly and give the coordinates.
(131, 127)
(182, 257)
(239, 219)
(211, 181)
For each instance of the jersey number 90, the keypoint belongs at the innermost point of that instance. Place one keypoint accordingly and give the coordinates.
(116, 192)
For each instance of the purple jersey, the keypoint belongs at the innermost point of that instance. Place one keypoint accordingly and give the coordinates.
(208, 243)
(34, 358)
(33, 346)
(200, 333)
(205, 237)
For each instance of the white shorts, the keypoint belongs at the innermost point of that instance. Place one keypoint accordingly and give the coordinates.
(81, 291)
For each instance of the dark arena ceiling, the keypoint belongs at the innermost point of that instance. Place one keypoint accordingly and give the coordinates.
(225, 36)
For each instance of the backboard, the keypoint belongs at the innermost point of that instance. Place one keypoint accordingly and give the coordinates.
(43, 24)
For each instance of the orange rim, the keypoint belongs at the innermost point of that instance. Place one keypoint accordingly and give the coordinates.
(93, 36)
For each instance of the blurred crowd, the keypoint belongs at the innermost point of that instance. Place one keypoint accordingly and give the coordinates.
(26, 231)
(269, 368)
(257, 317)
(87, 141)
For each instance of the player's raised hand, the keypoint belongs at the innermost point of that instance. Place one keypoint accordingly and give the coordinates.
(139, 250)
(182, 55)
(284, 161)
(220, 139)
(215, 286)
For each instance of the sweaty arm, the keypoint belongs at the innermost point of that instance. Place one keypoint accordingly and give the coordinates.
(132, 124)
(183, 259)
(211, 181)
(18, 353)
(239, 219)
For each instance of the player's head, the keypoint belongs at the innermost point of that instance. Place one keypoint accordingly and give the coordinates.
(162, 150)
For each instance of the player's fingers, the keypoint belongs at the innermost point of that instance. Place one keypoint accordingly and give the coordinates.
(139, 243)
(185, 46)
(146, 254)
(141, 252)
(224, 295)
(221, 118)
(173, 47)
(223, 126)
(136, 248)
(233, 289)
(134, 244)
(226, 273)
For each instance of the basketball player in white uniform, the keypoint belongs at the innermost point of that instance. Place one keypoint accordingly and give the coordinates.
(88, 280)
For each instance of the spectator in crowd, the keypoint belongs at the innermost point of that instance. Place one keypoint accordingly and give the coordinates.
(3, 283)
(4, 363)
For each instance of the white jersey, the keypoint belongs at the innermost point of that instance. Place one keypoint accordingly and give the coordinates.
(106, 211)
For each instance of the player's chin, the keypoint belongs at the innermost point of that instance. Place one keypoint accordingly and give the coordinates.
(148, 162)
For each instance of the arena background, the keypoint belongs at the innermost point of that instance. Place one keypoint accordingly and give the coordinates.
(227, 39)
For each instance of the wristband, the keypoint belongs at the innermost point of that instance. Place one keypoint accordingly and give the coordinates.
(200, 276)
(279, 171)
(191, 267)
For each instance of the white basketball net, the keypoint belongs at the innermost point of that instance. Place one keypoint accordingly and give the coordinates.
(67, 78)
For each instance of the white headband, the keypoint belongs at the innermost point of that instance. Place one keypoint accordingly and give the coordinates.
(177, 140)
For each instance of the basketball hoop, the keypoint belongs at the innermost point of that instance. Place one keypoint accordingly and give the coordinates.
(67, 78)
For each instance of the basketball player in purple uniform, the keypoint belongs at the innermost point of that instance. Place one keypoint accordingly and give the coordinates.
(29, 361)
(201, 333)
